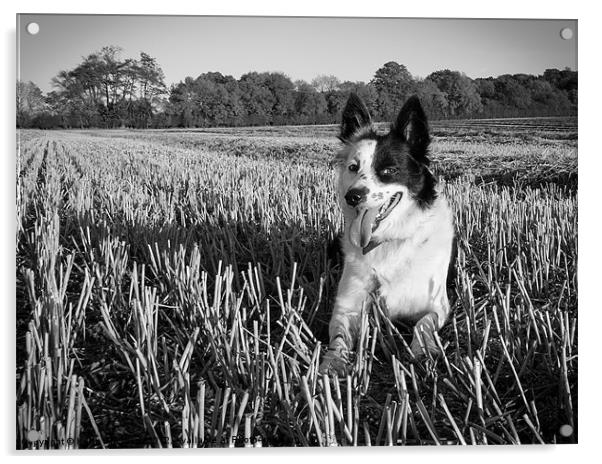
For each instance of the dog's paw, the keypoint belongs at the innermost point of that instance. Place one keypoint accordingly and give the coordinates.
(335, 362)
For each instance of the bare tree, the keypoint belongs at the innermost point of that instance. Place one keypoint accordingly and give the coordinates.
(325, 83)
(30, 101)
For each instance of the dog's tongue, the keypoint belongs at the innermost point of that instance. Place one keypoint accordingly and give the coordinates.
(360, 231)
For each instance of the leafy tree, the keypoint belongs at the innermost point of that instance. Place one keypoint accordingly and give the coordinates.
(393, 84)
(523, 95)
(149, 79)
(281, 88)
(460, 91)
(565, 80)
(104, 90)
(257, 99)
(366, 92)
(111, 92)
(486, 88)
(310, 105)
(433, 100)
(541, 91)
(182, 99)
(512, 92)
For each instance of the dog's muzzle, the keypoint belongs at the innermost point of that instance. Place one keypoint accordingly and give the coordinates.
(367, 221)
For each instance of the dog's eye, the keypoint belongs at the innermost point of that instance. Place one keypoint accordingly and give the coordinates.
(354, 167)
(388, 171)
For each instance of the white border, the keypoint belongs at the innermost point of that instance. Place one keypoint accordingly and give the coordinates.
(589, 206)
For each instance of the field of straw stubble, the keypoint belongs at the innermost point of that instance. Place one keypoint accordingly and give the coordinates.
(174, 289)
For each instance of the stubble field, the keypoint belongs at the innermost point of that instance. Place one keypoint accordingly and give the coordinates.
(174, 289)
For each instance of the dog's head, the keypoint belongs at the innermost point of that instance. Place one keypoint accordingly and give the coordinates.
(382, 177)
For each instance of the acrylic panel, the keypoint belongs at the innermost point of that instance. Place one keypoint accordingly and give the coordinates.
(295, 231)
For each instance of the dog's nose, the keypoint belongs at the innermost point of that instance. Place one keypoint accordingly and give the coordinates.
(355, 196)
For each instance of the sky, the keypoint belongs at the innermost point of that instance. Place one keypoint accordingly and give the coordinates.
(349, 48)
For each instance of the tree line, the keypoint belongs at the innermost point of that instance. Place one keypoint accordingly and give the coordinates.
(106, 91)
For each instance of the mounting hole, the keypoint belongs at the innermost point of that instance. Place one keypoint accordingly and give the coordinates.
(33, 28)
(566, 430)
(566, 33)
(33, 435)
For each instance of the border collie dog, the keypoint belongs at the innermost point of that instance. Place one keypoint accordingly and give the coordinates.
(399, 230)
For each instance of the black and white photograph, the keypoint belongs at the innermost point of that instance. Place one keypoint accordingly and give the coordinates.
(288, 231)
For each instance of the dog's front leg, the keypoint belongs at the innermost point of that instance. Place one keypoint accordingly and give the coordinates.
(424, 341)
(352, 294)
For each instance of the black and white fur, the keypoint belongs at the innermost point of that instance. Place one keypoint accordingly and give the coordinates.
(399, 229)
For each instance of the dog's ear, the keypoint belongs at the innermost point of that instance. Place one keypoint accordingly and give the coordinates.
(355, 115)
(412, 127)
